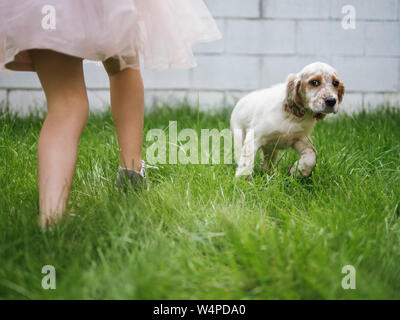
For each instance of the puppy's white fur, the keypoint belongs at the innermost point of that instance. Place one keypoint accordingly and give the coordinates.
(284, 116)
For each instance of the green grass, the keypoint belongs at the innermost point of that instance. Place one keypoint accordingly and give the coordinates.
(201, 234)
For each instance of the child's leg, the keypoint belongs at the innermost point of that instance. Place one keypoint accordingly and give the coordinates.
(62, 80)
(127, 107)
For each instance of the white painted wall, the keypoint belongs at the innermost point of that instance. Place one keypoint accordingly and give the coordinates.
(264, 40)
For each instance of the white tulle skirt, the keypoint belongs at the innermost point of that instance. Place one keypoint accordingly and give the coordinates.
(153, 34)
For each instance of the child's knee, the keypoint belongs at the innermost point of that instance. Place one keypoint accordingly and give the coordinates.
(72, 107)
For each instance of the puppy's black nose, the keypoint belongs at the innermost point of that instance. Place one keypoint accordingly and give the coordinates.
(330, 102)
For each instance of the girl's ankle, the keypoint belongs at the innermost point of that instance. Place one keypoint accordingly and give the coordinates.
(135, 166)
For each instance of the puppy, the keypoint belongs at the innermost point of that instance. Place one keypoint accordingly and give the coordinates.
(284, 116)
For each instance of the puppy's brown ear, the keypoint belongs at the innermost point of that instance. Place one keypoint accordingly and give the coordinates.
(341, 92)
(290, 86)
(293, 102)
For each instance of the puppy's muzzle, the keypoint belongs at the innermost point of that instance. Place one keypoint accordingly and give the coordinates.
(330, 102)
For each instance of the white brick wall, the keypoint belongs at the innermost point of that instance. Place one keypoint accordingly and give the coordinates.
(15, 80)
(260, 37)
(382, 38)
(3, 98)
(226, 73)
(368, 74)
(26, 101)
(264, 41)
(382, 10)
(234, 8)
(329, 38)
(276, 69)
(294, 9)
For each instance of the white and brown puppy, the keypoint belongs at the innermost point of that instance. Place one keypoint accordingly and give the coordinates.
(284, 116)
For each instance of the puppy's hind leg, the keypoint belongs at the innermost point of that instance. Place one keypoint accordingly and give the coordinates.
(270, 158)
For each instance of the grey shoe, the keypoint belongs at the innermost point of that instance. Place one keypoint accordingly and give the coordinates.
(137, 179)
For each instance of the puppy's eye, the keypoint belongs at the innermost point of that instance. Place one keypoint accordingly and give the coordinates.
(335, 83)
(315, 83)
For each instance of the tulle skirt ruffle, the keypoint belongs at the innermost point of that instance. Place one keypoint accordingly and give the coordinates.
(153, 34)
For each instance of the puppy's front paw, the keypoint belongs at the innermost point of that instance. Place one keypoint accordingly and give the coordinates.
(243, 172)
(299, 172)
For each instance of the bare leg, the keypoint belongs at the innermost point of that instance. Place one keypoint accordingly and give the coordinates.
(127, 106)
(62, 80)
(270, 158)
(308, 158)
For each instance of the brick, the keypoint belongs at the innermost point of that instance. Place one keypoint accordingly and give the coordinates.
(329, 38)
(95, 75)
(352, 99)
(382, 38)
(276, 69)
(99, 100)
(367, 9)
(352, 103)
(298, 9)
(3, 99)
(234, 8)
(375, 99)
(233, 97)
(227, 73)
(215, 46)
(398, 9)
(167, 79)
(163, 97)
(11, 79)
(368, 74)
(206, 100)
(260, 37)
(24, 102)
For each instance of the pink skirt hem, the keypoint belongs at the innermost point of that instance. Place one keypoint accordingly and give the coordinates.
(152, 34)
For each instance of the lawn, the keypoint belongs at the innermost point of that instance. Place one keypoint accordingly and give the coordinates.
(201, 234)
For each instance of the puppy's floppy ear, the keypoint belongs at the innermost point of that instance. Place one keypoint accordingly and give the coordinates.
(294, 103)
(319, 116)
(341, 92)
